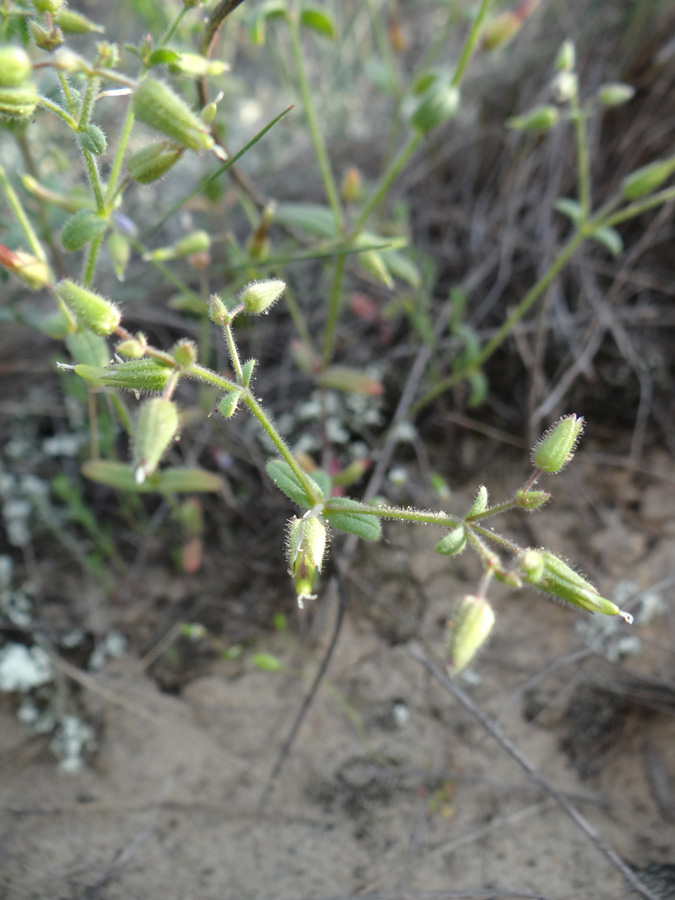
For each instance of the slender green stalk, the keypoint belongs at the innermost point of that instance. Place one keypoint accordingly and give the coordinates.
(491, 511)
(308, 485)
(94, 179)
(125, 134)
(211, 377)
(583, 159)
(639, 206)
(330, 187)
(470, 43)
(67, 93)
(497, 538)
(174, 25)
(21, 217)
(386, 181)
(334, 305)
(88, 101)
(59, 110)
(92, 258)
(170, 276)
(399, 513)
(234, 353)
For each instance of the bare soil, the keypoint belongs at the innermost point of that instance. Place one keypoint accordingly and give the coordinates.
(390, 789)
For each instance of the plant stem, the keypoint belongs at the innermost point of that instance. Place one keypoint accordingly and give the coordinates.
(314, 130)
(55, 108)
(21, 217)
(470, 43)
(94, 179)
(386, 181)
(308, 485)
(234, 353)
(334, 304)
(119, 157)
(416, 516)
(92, 257)
(639, 206)
(174, 25)
(583, 161)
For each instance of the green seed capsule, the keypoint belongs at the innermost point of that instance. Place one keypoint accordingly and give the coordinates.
(153, 161)
(140, 375)
(259, 296)
(469, 631)
(155, 430)
(556, 448)
(543, 118)
(15, 66)
(18, 102)
(438, 104)
(159, 107)
(91, 310)
(615, 94)
(647, 179)
(306, 549)
(72, 22)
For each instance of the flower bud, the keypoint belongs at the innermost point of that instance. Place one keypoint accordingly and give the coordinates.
(531, 500)
(438, 104)
(155, 430)
(133, 348)
(453, 543)
(565, 86)
(159, 107)
(647, 179)
(567, 57)
(218, 311)
(153, 161)
(138, 375)
(551, 575)
(195, 242)
(48, 39)
(258, 297)
(15, 66)
(306, 548)
(468, 632)
(185, 353)
(48, 6)
(500, 30)
(72, 22)
(81, 228)
(18, 102)
(351, 185)
(615, 94)
(196, 66)
(542, 118)
(32, 271)
(556, 448)
(91, 310)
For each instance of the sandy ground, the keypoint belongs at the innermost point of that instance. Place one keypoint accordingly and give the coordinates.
(391, 789)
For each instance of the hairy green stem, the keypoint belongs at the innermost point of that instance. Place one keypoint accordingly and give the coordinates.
(125, 134)
(59, 110)
(234, 353)
(268, 427)
(94, 179)
(416, 516)
(317, 139)
(92, 258)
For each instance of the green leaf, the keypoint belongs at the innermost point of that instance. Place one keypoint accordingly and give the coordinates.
(310, 217)
(284, 478)
(267, 662)
(366, 527)
(162, 56)
(480, 503)
(609, 238)
(88, 348)
(317, 20)
(479, 385)
(402, 267)
(570, 208)
(169, 481)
